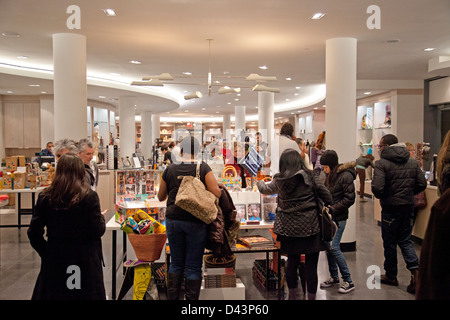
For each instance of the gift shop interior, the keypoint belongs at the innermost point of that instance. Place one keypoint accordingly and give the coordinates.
(136, 77)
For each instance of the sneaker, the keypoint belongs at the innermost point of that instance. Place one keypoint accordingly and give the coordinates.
(347, 287)
(386, 280)
(330, 282)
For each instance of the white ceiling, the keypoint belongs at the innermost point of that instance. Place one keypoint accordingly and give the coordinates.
(170, 36)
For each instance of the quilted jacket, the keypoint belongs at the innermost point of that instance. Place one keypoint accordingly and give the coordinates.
(297, 211)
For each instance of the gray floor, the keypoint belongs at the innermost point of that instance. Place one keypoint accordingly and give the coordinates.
(19, 264)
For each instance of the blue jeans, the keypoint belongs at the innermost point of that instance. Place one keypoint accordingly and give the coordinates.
(187, 240)
(335, 256)
(396, 228)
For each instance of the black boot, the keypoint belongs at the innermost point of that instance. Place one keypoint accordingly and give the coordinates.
(192, 289)
(173, 286)
(411, 288)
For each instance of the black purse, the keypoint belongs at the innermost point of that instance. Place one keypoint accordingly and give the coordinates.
(327, 225)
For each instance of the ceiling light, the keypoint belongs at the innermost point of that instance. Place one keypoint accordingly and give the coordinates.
(163, 76)
(288, 79)
(135, 62)
(151, 82)
(34, 85)
(429, 49)
(193, 95)
(263, 67)
(22, 57)
(109, 12)
(187, 73)
(102, 97)
(367, 92)
(257, 77)
(227, 89)
(298, 88)
(261, 87)
(318, 16)
(10, 34)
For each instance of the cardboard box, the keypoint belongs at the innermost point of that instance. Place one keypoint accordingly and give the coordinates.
(13, 162)
(20, 180)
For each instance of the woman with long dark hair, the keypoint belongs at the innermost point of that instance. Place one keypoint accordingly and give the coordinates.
(296, 223)
(71, 252)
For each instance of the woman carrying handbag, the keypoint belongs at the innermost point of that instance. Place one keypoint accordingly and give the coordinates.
(297, 224)
(187, 234)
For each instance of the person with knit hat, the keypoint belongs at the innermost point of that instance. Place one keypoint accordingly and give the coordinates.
(339, 181)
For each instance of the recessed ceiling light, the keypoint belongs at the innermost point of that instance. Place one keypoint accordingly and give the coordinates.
(22, 57)
(318, 16)
(103, 97)
(10, 34)
(34, 85)
(135, 62)
(288, 79)
(316, 108)
(203, 109)
(43, 92)
(298, 88)
(109, 12)
(263, 67)
(429, 49)
(187, 73)
(9, 91)
(367, 92)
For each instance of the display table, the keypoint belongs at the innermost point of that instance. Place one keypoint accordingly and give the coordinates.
(113, 226)
(21, 211)
(266, 249)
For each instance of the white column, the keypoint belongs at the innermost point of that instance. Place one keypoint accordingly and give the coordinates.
(69, 85)
(146, 134)
(266, 115)
(239, 121)
(340, 117)
(127, 127)
(226, 125)
(156, 130)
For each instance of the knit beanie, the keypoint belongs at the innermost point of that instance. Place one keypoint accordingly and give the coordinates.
(329, 158)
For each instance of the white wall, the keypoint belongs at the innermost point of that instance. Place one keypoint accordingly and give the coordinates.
(47, 120)
(439, 91)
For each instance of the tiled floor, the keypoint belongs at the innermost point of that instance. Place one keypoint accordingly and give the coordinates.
(19, 264)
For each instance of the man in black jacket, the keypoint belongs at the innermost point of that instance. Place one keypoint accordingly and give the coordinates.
(396, 180)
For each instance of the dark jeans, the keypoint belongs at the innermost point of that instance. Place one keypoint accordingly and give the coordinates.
(311, 260)
(187, 242)
(396, 228)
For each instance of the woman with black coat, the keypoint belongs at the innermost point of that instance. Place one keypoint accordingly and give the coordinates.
(71, 252)
(339, 180)
(296, 224)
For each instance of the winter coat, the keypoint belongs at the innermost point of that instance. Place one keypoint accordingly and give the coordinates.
(219, 229)
(72, 250)
(396, 177)
(434, 274)
(297, 211)
(342, 189)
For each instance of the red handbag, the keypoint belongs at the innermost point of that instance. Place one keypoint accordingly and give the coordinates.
(420, 200)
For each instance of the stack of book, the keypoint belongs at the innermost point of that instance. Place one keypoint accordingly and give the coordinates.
(254, 241)
(220, 278)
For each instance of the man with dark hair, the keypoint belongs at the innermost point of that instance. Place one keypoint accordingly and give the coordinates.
(286, 140)
(396, 179)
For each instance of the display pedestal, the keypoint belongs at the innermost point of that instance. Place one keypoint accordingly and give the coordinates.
(236, 293)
